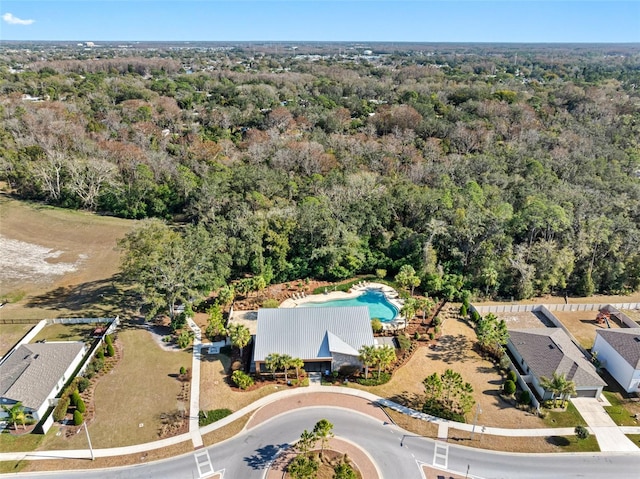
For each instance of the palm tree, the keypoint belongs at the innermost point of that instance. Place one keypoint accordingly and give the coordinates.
(297, 364)
(258, 283)
(272, 362)
(567, 391)
(285, 363)
(239, 335)
(383, 357)
(555, 385)
(409, 309)
(425, 304)
(16, 414)
(366, 356)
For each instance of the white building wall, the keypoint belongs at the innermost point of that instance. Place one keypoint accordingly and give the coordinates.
(615, 364)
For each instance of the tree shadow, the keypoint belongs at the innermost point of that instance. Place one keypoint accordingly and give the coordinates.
(103, 297)
(405, 398)
(264, 456)
(451, 349)
(558, 441)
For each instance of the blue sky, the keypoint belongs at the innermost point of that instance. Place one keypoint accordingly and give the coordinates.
(547, 21)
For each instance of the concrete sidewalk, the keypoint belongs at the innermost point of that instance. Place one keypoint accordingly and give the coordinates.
(622, 446)
(194, 395)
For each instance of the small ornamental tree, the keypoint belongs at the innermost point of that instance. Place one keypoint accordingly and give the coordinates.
(111, 352)
(78, 418)
(376, 325)
(581, 432)
(509, 387)
(108, 340)
(241, 379)
(525, 398)
(61, 409)
(81, 406)
(344, 471)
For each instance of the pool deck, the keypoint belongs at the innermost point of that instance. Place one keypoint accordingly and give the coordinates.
(357, 290)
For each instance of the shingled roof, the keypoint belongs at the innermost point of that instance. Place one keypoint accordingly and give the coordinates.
(626, 342)
(312, 333)
(32, 371)
(550, 350)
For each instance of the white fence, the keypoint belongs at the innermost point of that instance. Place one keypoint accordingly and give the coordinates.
(522, 308)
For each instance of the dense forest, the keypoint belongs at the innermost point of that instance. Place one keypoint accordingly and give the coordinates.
(510, 171)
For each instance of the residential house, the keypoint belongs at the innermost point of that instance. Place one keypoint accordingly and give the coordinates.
(34, 374)
(540, 352)
(326, 339)
(618, 351)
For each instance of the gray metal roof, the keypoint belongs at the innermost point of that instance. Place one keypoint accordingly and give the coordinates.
(312, 333)
(32, 371)
(626, 342)
(550, 350)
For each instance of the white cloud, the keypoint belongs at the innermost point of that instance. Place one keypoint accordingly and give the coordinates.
(9, 18)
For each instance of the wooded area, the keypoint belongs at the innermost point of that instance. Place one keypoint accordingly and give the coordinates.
(509, 171)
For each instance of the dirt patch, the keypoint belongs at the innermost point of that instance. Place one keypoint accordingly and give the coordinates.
(57, 262)
(583, 325)
(455, 350)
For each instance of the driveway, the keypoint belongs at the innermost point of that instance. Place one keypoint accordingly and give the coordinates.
(610, 437)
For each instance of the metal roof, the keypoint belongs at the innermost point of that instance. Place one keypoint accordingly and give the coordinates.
(32, 371)
(312, 333)
(626, 342)
(550, 350)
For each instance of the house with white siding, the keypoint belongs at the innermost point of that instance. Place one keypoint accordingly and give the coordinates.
(618, 351)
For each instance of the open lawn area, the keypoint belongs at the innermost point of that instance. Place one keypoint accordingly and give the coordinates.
(583, 325)
(216, 393)
(66, 332)
(455, 351)
(10, 334)
(130, 399)
(57, 262)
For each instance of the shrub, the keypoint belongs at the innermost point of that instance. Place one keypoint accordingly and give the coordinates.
(78, 418)
(509, 387)
(179, 321)
(475, 316)
(111, 352)
(505, 362)
(98, 364)
(512, 376)
(208, 417)
(404, 342)
(437, 321)
(376, 325)
(416, 335)
(100, 352)
(83, 384)
(75, 398)
(182, 370)
(344, 471)
(432, 336)
(581, 432)
(525, 398)
(381, 273)
(463, 311)
(108, 340)
(80, 406)
(435, 408)
(61, 409)
(270, 303)
(242, 380)
(373, 379)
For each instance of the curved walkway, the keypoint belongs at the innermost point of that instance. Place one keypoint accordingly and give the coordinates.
(291, 393)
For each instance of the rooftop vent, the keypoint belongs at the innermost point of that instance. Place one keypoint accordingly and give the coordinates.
(637, 338)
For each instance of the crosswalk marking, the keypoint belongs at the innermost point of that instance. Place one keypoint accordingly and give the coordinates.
(203, 462)
(441, 455)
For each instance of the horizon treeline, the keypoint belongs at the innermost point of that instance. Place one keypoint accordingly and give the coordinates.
(506, 174)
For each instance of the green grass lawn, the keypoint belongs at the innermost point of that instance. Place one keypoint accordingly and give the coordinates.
(569, 417)
(142, 386)
(620, 415)
(26, 442)
(66, 332)
(573, 444)
(635, 438)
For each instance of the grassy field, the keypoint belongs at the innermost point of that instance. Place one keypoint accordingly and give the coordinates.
(10, 334)
(142, 386)
(57, 262)
(622, 410)
(569, 417)
(66, 332)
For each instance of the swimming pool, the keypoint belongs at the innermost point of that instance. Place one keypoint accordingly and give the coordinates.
(379, 306)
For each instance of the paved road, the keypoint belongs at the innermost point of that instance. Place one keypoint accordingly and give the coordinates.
(396, 454)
